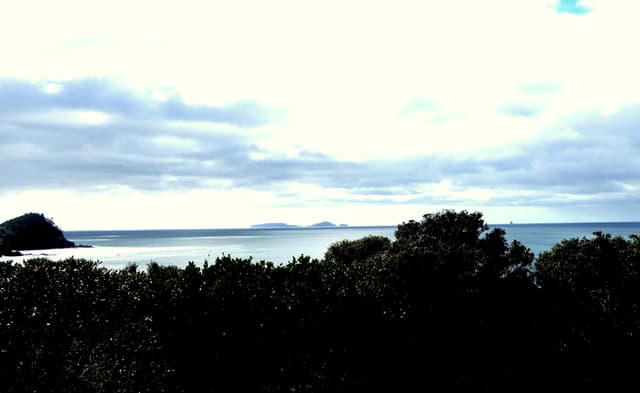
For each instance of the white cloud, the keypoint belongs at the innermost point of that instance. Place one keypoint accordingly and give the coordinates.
(65, 117)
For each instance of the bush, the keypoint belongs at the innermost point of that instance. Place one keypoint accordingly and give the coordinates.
(447, 305)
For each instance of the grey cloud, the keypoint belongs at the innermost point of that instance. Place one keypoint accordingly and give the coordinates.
(385, 191)
(521, 109)
(596, 165)
(124, 153)
(242, 114)
(104, 95)
(598, 162)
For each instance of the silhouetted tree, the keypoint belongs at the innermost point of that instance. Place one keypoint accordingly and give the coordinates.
(592, 289)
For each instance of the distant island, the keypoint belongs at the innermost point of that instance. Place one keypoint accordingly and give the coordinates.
(323, 224)
(275, 225)
(31, 231)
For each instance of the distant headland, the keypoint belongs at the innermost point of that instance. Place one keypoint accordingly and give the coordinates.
(31, 231)
(275, 225)
(323, 224)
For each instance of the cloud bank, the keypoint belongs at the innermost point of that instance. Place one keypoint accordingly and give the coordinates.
(141, 146)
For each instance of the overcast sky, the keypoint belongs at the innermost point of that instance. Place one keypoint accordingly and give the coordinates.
(196, 114)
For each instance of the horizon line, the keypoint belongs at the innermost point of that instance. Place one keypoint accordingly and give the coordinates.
(340, 227)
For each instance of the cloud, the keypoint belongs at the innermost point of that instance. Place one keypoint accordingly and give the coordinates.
(107, 97)
(401, 104)
(521, 109)
(92, 133)
(585, 157)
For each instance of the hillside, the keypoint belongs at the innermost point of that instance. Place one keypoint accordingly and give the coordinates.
(30, 231)
(271, 225)
(323, 224)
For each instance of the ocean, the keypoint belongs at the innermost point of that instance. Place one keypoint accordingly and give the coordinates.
(116, 249)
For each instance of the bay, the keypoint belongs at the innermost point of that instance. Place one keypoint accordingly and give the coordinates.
(177, 247)
(116, 249)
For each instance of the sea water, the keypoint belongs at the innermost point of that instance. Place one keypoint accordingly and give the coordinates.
(115, 249)
(177, 247)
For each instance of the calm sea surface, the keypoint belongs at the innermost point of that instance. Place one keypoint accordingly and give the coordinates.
(177, 247)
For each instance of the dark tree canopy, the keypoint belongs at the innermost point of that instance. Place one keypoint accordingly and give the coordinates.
(446, 306)
(350, 251)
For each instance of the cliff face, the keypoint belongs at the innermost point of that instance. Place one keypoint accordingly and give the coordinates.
(31, 232)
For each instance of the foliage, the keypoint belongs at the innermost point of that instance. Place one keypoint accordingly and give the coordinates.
(447, 305)
(592, 287)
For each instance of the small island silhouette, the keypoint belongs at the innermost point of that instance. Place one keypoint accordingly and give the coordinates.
(31, 231)
(323, 224)
(275, 225)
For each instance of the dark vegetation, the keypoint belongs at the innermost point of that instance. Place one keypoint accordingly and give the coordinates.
(447, 306)
(30, 231)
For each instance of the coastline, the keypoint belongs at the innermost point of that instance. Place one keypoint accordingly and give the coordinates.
(117, 248)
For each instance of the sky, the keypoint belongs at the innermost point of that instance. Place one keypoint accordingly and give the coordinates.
(212, 114)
